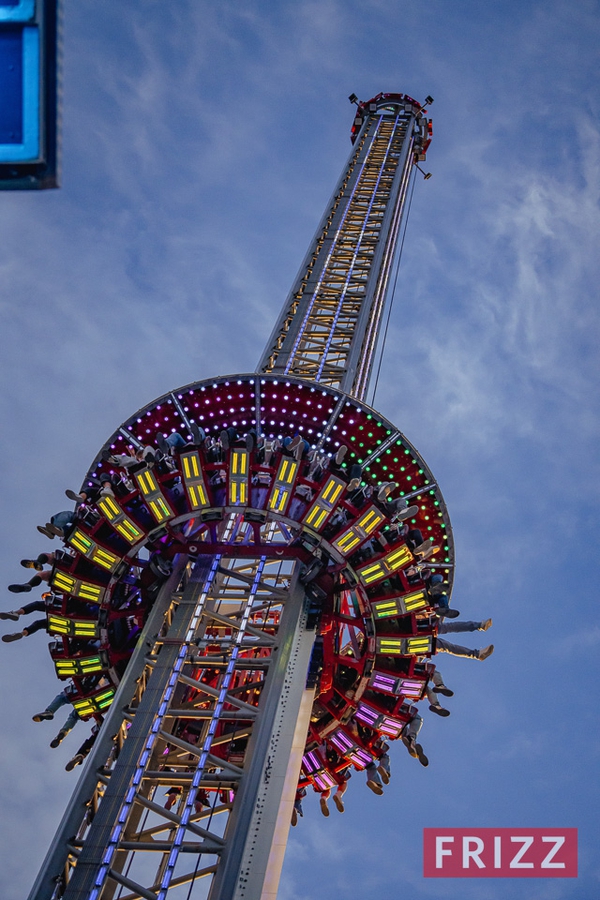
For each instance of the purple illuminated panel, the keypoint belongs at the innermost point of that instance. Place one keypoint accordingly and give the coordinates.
(324, 781)
(412, 689)
(360, 758)
(367, 714)
(311, 762)
(385, 683)
(350, 750)
(391, 727)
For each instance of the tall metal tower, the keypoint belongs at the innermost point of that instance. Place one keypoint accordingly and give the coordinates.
(279, 614)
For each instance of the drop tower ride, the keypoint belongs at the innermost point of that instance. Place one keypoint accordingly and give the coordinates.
(245, 613)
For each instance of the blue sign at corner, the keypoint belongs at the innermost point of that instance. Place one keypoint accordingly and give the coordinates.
(28, 94)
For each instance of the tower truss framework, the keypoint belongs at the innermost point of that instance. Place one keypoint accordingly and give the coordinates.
(260, 581)
(329, 326)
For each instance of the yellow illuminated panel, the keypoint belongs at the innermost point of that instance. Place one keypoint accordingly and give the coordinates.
(279, 499)
(58, 625)
(398, 558)
(332, 491)
(65, 667)
(109, 508)
(84, 708)
(394, 560)
(347, 542)
(287, 471)
(153, 496)
(85, 665)
(395, 646)
(390, 646)
(191, 465)
(93, 551)
(324, 503)
(418, 645)
(416, 600)
(72, 627)
(281, 491)
(63, 582)
(93, 593)
(104, 699)
(85, 629)
(238, 478)
(316, 517)
(147, 483)
(90, 705)
(159, 509)
(129, 531)
(312, 515)
(372, 573)
(104, 558)
(197, 496)
(366, 524)
(193, 479)
(399, 606)
(370, 520)
(383, 609)
(239, 462)
(238, 492)
(113, 513)
(81, 541)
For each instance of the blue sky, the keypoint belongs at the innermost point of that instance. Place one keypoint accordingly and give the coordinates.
(201, 142)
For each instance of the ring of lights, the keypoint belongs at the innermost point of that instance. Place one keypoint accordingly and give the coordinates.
(376, 629)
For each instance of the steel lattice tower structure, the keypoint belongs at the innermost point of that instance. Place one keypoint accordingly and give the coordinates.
(266, 623)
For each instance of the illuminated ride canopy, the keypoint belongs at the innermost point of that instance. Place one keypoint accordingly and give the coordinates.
(375, 627)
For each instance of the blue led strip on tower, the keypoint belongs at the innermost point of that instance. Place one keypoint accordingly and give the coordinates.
(156, 728)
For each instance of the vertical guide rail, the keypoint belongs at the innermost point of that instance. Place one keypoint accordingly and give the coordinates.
(328, 329)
